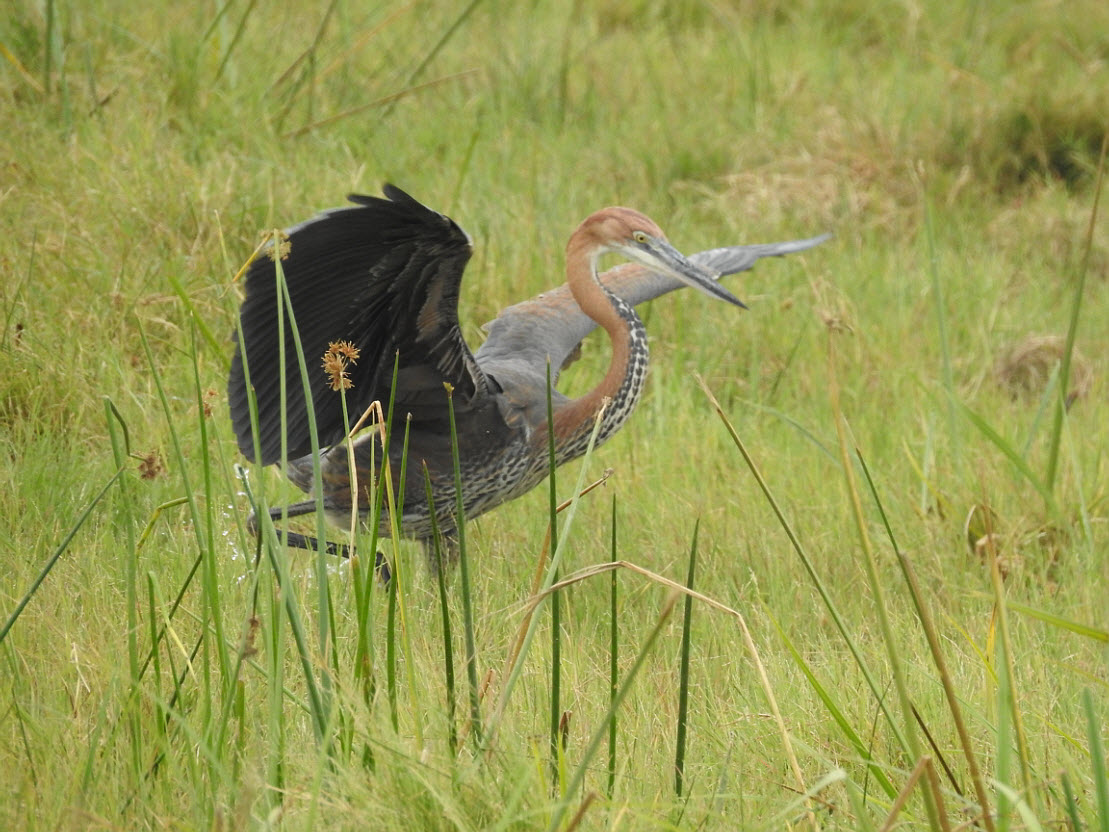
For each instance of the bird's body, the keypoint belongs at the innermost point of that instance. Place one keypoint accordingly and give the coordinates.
(384, 278)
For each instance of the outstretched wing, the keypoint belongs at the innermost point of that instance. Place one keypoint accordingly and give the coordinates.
(383, 275)
(551, 325)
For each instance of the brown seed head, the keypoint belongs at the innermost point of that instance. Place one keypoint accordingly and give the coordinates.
(339, 354)
(280, 248)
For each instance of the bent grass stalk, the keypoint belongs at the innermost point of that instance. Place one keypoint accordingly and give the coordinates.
(537, 581)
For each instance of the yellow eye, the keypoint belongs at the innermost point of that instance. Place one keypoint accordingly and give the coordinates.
(640, 237)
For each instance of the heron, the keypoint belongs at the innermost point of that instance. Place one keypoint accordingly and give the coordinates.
(381, 277)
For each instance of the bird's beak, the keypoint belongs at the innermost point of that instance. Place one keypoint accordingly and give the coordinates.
(671, 262)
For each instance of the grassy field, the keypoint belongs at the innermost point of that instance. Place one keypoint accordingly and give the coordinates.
(908, 627)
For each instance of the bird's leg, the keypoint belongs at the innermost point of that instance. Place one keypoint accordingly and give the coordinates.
(295, 510)
(445, 555)
(295, 540)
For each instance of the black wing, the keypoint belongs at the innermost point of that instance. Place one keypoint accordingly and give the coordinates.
(383, 275)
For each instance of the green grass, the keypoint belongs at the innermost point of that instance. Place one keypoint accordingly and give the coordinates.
(154, 675)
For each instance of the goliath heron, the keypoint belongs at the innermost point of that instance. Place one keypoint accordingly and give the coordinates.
(383, 277)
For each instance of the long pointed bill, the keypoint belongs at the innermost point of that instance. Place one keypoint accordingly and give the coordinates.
(669, 261)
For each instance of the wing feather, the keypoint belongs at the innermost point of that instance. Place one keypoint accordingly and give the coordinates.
(384, 275)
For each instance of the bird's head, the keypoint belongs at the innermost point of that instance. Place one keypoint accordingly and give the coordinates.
(630, 234)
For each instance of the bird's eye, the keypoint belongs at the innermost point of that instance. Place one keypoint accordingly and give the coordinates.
(640, 237)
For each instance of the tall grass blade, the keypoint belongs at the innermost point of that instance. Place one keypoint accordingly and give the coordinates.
(153, 600)
(49, 45)
(1072, 326)
(1071, 805)
(53, 559)
(555, 715)
(932, 782)
(218, 690)
(1004, 750)
(284, 604)
(932, 637)
(1085, 630)
(444, 606)
(437, 47)
(323, 616)
(120, 451)
(278, 556)
(464, 579)
(1009, 714)
(216, 686)
(1016, 799)
(1013, 456)
(391, 650)
(877, 589)
(601, 730)
(810, 568)
(517, 664)
(748, 641)
(683, 672)
(383, 500)
(918, 773)
(398, 600)
(196, 317)
(364, 572)
(1094, 727)
(613, 656)
(203, 540)
(861, 811)
(941, 324)
(836, 713)
(286, 598)
(235, 39)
